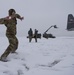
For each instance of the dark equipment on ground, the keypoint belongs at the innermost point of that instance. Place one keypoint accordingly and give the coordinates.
(70, 23)
(38, 36)
(45, 35)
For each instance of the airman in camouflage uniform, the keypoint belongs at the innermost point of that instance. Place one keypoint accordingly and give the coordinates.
(10, 22)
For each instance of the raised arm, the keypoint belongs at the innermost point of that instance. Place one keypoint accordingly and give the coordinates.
(19, 17)
(3, 21)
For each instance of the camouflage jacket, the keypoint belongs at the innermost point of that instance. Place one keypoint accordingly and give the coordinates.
(10, 22)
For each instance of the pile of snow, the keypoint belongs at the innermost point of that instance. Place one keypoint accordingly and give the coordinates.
(46, 57)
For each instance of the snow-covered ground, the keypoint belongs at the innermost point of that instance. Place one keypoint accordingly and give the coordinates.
(46, 57)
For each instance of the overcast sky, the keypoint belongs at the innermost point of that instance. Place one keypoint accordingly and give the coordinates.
(39, 14)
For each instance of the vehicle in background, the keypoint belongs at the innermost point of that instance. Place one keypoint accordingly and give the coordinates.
(45, 35)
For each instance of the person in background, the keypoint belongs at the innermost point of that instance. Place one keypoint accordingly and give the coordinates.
(10, 22)
(35, 35)
(30, 34)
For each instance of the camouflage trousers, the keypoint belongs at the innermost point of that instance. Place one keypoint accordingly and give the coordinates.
(13, 45)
